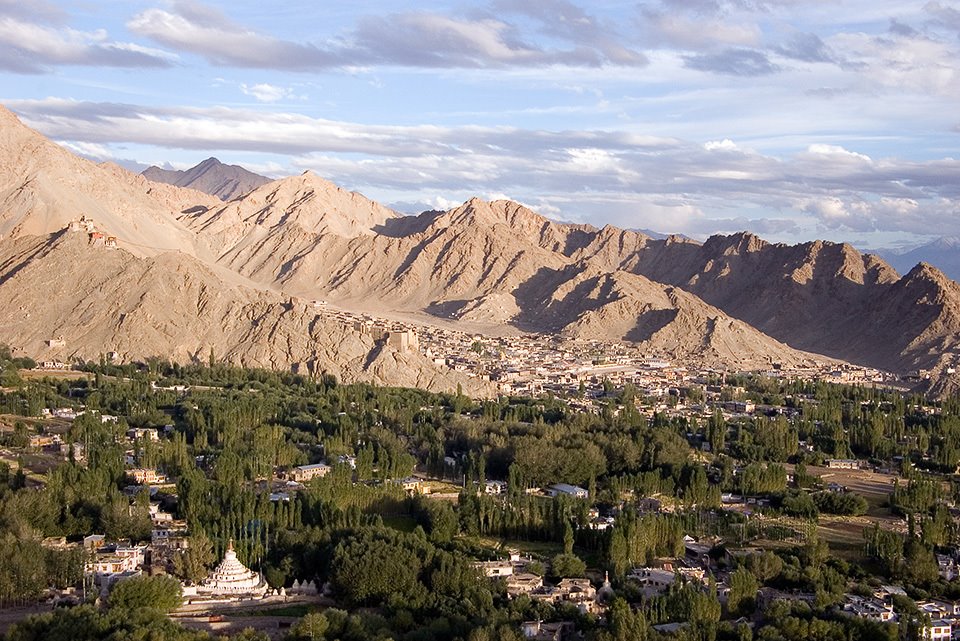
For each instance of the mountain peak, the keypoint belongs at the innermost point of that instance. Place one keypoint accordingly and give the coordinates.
(210, 176)
(210, 162)
(926, 271)
(504, 212)
(313, 203)
(743, 242)
(946, 242)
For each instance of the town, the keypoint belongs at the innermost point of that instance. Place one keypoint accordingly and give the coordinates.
(530, 364)
(644, 496)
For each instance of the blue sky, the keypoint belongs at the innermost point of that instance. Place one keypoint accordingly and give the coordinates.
(795, 120)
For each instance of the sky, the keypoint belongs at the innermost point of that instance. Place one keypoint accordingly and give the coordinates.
(794, 120)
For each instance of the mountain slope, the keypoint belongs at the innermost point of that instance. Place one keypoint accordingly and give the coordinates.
(814, 296)
(489, 263)
(43, 187)
(88, 300)
(211, 176)
(589, 304)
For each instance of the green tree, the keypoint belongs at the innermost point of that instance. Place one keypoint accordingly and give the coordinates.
(567, 565)
(743, 592)
(157, 592)
(567, 538)
(192, 563)
(313, 626)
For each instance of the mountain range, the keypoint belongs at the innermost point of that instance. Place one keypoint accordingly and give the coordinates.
(190, 273)
(211, 176)
(943, 252)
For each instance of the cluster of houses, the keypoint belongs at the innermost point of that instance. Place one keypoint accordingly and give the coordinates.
(301, 474)
(106, 563)
(938, 621)
(576, 591)
(532, 364)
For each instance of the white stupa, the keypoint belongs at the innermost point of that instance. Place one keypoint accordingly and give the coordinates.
(233, 578)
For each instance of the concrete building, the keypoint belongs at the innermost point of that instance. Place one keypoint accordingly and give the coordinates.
(304, 473)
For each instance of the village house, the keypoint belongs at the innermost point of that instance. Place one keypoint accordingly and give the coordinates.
(944, 619)
(93, 542)
(540, 631)
(947, 567)
(41, 441)
(143, 433)
(653, 581)
(570, 490)
(868, 608)
(495, 487)
(523, 583)
(346, 459)
(110, 563)
(411, 485)
(306, 473)
(937, 630)
(157, 515)
(165, 532)
(495, 569)
(938, 609)
(578, 592)
(843, 464)
(66, 413)
(146, 476)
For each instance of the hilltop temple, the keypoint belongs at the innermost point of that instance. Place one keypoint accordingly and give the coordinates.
(232, 578)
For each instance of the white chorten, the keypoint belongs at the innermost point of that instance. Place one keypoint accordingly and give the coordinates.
(233, 578)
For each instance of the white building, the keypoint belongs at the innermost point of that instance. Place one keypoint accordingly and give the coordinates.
(653, 581)
(570, 490)
(938, 630)
(232, 578)
(869, 608)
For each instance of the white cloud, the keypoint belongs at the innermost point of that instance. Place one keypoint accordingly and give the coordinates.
(597, 176)
(88, 149)
(412, 38)
(266, 93)
(30, 47)
(721, 145)
(194, 28)
(819, 149)
(694, 32)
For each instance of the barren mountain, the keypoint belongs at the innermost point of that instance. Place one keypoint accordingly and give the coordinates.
(499, 263)
(211, 176)
(599, 305)
(65, 298)
(43, 187)
(192, 272)
(811, 296)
